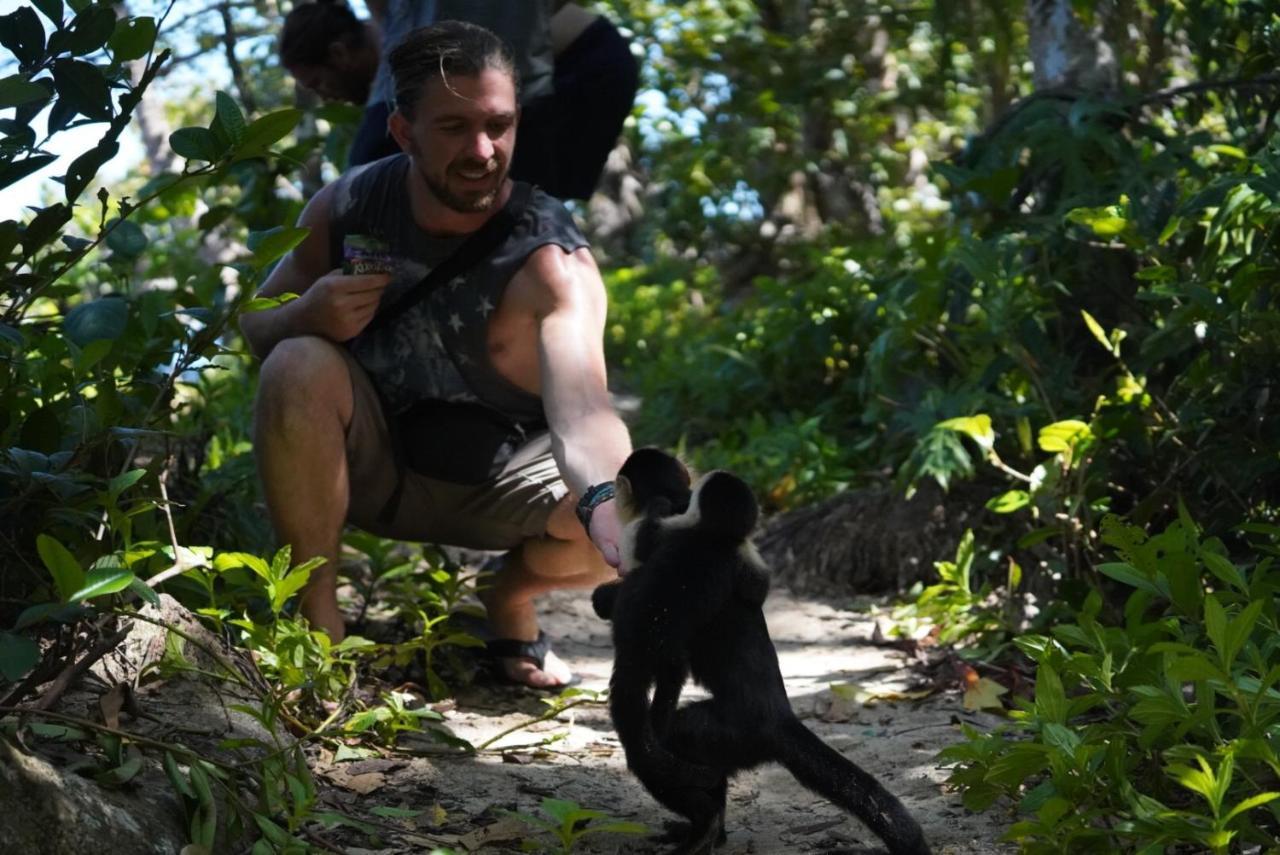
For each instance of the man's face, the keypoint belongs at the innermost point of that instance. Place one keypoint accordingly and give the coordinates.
(331, 82)
(462, 136)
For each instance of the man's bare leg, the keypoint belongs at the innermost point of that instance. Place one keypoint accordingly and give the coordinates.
(303, 408)
(563, 558)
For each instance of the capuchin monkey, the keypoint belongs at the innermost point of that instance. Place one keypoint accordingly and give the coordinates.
(691, 604)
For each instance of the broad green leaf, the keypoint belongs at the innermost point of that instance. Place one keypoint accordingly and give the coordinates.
(1229, 151)
(270, 245)
(1130, 575)
(1007, 503)
(124, 481)
(1051, 698)
(228, 122)
(83, 86)
(145, 592)
(99, 583)
(85, 168)
(1239, 629)
(1062, 435)
(133, 38)
(287, 587)
(23, 34)
(265, 131)
(1106, 222)
(977, 428)
(12, 335)
(126, 238)
(105, 317)
(18, 655)
(90, 30)
(195, 144)
(68, 577)
(230, 560)
(52, 10)
(259, 304)
(1224, 569)
(16, 89)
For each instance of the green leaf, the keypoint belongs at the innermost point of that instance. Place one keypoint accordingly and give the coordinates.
(145, 592)
(228, 122)
(16, 89)
(260, 304)
(1051, 698)
(1099, 333)
(265, 131)
(99, 583)
(1062, 435)
(68, 577)
(230, 560)
(1239, 629)
(133, 38)
(1007, 503)
(85, 168)
(82, 85)
(270, 245)
(977, 428)
(23, 34)
(126, 238)
(52, 10)
(1215, 625)
(18, 655)
(1224, 569)
(1106, 222)
(90, 30)
(1130, 575)
(195, 144)
(124, 481)
(1251, 803)
(106, 317)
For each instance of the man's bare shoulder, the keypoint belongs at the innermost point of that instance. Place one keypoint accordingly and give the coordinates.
(554, 278)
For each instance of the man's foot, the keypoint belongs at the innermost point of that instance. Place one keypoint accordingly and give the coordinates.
(553, 674)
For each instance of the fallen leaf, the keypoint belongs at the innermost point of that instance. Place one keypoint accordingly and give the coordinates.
(364, 784)
(111, 702)
(507, 828)
(984, 694)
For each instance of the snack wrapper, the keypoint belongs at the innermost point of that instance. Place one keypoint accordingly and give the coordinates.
(362, 254)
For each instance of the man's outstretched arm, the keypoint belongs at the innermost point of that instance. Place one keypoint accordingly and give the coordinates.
(588, 439)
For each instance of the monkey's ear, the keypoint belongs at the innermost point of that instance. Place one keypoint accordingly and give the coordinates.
(625, 497)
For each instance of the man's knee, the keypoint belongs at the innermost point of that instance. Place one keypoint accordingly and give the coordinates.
(304, 374)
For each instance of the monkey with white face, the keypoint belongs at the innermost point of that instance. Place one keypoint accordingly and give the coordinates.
(690, 603)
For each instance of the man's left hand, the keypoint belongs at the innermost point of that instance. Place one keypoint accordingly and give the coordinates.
(606, 531)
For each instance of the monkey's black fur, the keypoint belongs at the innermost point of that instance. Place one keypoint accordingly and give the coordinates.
(692, 604)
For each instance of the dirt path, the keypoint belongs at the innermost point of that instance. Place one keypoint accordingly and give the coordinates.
(464, 800)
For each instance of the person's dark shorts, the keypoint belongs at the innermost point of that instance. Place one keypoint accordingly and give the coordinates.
(497, 514)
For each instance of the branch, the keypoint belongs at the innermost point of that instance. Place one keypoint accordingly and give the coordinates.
(1260, 82)
(237, 70)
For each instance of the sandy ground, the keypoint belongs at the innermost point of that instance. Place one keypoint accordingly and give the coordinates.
(464, 802)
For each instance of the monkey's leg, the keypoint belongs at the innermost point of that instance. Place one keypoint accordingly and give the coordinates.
(828, 772)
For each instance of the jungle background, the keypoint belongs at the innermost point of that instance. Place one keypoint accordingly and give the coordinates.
(1013, 261)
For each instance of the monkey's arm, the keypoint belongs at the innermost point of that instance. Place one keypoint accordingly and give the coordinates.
(603, 599)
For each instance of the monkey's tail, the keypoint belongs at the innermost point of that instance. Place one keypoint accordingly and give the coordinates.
(829, 773)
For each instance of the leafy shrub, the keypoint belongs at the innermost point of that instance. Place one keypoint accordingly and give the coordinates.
(1152, 727)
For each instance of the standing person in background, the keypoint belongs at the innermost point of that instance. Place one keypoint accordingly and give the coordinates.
(577, 77)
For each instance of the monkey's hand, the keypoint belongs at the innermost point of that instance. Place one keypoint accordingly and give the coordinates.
(603, 599)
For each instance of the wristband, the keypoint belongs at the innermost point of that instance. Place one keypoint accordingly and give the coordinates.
(595, 496)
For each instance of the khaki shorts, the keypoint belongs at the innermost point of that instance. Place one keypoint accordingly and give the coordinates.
(498, 514)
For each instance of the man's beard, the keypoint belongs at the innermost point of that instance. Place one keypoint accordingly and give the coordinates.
(468, 204)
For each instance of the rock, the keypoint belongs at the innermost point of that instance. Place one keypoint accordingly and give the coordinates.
(47, 810)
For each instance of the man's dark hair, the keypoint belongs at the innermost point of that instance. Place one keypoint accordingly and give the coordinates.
(446, 49)
(310, 28)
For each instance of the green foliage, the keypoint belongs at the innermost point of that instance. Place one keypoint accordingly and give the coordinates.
(569, 823)
(1153, 726)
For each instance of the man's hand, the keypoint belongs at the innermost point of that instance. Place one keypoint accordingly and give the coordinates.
(606, 530)
(339, 306)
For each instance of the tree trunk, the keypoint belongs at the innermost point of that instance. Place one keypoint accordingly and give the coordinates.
(1066, 55)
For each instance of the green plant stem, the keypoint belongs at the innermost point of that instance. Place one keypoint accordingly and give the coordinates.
(549, 714)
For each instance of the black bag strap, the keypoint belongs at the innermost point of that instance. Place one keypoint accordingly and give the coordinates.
(481, 244)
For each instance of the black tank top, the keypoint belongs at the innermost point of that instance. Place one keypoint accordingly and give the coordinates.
(438, 350)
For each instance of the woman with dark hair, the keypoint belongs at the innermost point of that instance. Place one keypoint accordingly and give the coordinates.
(576, 75)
